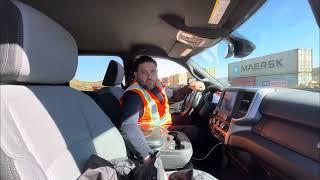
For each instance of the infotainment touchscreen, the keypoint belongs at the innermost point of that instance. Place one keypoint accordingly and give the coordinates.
(228, 101)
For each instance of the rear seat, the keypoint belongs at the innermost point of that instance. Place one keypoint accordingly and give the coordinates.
(108, 98)
(48, 131)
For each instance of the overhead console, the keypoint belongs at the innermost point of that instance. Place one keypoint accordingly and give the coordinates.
(214, 21)
(236, 111)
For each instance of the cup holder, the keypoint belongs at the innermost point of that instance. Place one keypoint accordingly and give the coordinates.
(177, 140)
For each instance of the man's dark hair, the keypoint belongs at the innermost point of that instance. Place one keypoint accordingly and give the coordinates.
(141, 60)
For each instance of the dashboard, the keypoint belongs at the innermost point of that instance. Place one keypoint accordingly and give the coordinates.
(278, 126)
(236, 111)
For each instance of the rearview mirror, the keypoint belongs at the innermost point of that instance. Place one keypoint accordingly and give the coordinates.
(315, 7)
(238, 47)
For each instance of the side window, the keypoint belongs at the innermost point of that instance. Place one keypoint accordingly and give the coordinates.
(91, 71)
(172, 74)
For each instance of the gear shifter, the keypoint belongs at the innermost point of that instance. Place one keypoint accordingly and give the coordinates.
(176, 139)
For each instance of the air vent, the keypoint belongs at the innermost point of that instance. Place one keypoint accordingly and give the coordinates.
(245, 104)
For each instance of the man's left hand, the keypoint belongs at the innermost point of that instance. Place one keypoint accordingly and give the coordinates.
(197, 86)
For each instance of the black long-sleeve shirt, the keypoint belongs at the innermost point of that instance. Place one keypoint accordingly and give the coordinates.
(132, 110)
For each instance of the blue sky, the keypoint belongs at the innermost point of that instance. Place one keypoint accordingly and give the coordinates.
(93, 68)
(277, 26)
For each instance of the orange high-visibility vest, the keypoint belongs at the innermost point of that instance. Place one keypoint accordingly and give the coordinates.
(155, 112)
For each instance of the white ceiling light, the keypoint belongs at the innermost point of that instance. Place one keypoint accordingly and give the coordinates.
(190, 39)
(218, 10)
(186, 52)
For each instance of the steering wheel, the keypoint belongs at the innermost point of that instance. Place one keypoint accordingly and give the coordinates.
(195, 100)
(208, 93)
(191, 102)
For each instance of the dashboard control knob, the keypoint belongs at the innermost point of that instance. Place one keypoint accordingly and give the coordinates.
(214, 120)
(223, 126)
(215, 112)
(217, 123)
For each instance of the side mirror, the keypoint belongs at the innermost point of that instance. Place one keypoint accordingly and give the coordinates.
(238, 47)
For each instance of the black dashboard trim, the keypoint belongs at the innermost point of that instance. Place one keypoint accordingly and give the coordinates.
(277, 156)
(298, 106)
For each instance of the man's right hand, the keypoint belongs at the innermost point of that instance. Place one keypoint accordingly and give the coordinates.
(196, 86)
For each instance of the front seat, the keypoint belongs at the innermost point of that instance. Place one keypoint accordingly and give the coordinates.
(48, 130)
(108, 98)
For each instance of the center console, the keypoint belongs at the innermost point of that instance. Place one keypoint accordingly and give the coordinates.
(175, 148)
(233, 104)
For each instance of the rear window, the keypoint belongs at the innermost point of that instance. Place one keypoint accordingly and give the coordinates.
(91, 71)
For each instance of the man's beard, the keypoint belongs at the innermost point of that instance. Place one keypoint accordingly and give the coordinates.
(146, 86)
(149, 87)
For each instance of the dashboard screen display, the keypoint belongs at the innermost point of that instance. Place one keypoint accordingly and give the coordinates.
(228, 102)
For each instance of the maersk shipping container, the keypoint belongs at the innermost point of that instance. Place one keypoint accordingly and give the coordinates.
(278, 63)
(296, 62)
(243, 81)
(287, 80)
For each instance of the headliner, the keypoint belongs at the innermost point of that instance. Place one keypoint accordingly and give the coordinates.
(126, 27)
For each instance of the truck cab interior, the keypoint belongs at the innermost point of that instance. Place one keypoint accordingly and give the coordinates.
(49, 130)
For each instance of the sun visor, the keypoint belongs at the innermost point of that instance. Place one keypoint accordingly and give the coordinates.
(180, 50)
(213, 21)
(173, 24)
(187, 44)
(192, 37)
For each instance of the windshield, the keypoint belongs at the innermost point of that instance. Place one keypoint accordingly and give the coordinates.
(286, 37)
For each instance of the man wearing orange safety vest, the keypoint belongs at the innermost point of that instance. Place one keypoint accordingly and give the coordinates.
(145, 102)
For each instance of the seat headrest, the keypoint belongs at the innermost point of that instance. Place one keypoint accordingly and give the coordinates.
(114, 74)
(33, 47)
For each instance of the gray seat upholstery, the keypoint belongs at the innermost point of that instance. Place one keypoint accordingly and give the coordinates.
(108, 98)
(48, 130)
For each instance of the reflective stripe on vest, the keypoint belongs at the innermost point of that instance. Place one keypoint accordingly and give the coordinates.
(151, 114)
